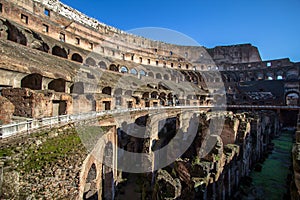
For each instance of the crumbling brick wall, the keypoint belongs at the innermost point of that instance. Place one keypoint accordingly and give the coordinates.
(6, 110)
(29, 103)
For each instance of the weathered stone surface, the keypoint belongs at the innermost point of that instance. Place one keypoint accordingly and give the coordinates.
(6, 110)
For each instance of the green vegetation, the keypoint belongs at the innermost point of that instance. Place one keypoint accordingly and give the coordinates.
(51, 150)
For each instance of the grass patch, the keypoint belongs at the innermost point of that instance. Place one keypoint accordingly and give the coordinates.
(51, 150)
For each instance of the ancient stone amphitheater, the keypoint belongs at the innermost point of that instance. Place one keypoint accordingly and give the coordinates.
(60, 68)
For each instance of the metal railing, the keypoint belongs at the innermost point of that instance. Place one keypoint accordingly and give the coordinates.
(31, 125)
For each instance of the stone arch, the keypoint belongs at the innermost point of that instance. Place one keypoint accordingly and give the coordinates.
(173, 78)
(90, 61)
(124, 69)
(292, 98)
(108, 176)
(32, 81)
(158, 76)
(114, 68)
(60, 52)
(260, 76)
(106, 90)
(91, 191)
(292, 74)
(118, 92)
(146, 95)
(154, 95)
(77, 58)
(270, 76)
(77, 88)
(133, 71)
(128, 93)
(15, 35)
(58, 85)
(166, 77)
(102, 65)
(142, 73)
(150, 74)
(279, 75)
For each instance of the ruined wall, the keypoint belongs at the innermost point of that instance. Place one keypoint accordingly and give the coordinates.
(217, 176)
(6, 110)
(36, 104)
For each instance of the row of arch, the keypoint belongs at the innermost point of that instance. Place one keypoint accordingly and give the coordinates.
(290, 74)
(35, 82)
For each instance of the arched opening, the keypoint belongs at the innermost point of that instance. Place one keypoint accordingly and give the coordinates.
(90, 184)
(292, 99)
(107, 176)
(77, 88)
(279, 77)
(154, 95)
(128, 93)
(292, 74)
(162, 97)
(146, 95)
(133, 71)
(142, 73)
(114, 68)
(14, 34)
(260, 76)
(90, 61)
(102, 65)
(77, 58)
(32, 81)
(118, 92)
(158, 76)
(124, 69)
(270, 76)
(106, 90)
(58, 85)
(166, 77)
(173, 78)
(150, 74)
(60, 52)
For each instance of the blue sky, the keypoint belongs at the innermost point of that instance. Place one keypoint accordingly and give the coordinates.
(271, 25)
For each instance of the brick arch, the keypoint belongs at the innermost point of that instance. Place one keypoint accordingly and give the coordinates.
(77, 58)
(32, 81)
(89, 162)
(60, 52)
(90, 61)
(97, 158)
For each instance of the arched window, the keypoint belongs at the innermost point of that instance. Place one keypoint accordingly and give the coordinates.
(166, 77)
(58, 85)
(77, 58)
(77, 88)
(124, 69)
(291, 74)
(118, 92)
(279, 77)
(61, 52)
(106, 90)
(90, 61)
(158, 76)
(114, 68)
(133, 71)
(150, 74)
(142, 73)
(154, 95)
(260, 76)
(128, 93)
(32, 81)
(102, 65)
